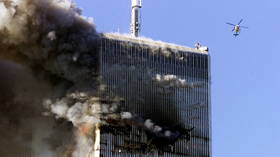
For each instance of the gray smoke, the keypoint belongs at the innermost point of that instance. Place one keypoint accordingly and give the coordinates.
(48, 50)
(23, 129)
(48, 33)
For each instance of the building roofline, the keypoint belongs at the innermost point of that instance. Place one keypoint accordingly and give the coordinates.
(150, 42)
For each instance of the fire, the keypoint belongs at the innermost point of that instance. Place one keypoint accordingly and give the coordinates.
(90, 132)
(86, 129)
(97, 141)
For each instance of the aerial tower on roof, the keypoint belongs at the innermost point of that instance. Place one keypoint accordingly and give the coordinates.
(135, 17)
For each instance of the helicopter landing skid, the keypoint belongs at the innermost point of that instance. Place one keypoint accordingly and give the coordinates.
(236, 34)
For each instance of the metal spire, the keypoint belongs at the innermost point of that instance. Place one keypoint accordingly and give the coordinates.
(135, 17)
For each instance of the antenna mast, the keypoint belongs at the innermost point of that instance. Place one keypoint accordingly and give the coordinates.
(135, 17)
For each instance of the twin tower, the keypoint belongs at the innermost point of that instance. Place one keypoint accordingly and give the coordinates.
(165, 92)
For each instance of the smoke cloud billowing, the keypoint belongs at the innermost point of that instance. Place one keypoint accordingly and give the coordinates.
(47, 51)
(51, 99)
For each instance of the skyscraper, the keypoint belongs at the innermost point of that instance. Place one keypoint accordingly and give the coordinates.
(165, 91)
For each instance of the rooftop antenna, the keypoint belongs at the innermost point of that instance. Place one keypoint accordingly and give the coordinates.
(135, 17)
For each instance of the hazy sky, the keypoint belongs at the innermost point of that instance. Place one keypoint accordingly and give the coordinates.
(245, 69)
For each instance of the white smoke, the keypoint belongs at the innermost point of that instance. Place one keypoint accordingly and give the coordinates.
(51, 35)
(149, 124)
(60, 109)
(174, 81)
(126, 115)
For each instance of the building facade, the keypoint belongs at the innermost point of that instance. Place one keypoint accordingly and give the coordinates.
(165, 90)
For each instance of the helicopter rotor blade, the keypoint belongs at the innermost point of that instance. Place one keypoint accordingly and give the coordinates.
(240, 21)
(230, 24)
(244, 27)
(233, 29)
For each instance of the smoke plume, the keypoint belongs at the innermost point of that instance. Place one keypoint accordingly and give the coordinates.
(52, 101)
(48, 50)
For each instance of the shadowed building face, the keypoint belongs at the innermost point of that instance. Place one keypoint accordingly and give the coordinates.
(165, 84)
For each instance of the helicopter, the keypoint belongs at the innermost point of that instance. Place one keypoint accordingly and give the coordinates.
(237, 28)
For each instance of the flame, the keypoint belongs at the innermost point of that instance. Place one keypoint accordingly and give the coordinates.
(90, 131)
(86, 129)
(96, 147)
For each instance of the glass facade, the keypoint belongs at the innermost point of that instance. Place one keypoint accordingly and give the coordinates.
(169, 86)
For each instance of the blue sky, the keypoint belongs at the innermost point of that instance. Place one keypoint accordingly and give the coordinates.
(245, 69)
